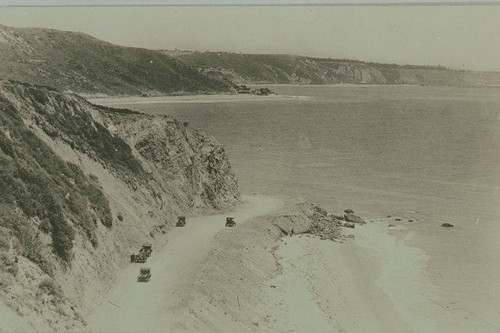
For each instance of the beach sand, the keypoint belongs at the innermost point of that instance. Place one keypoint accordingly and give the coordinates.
(374, 283)
(199, 99)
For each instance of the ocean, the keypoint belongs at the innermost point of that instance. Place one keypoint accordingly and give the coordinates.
(429, 154)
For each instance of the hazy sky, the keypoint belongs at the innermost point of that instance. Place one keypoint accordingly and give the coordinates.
(454, 36)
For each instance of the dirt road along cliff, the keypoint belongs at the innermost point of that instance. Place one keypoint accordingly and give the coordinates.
(144, 307)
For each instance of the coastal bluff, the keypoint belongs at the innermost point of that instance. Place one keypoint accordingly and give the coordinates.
(81, 187)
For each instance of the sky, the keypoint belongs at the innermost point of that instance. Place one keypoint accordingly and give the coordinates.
(458, 36)
(222, 2)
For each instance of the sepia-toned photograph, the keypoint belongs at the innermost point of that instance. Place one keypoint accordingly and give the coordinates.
(238, 166)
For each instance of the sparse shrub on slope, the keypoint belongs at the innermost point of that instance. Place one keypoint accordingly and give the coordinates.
(51, 288)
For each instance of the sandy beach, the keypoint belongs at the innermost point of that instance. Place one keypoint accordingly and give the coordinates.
(199, 99)
(353, 286)
(375, 283)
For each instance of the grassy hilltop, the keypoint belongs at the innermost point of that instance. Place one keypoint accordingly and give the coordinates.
(80, 63)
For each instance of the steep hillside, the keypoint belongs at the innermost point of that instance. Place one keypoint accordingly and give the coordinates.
(281, 69)
(81, 187)
(83, 64)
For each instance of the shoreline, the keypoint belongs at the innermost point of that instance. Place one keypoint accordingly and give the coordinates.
(202, 99)
(350, 286)
(401, 274)
(374, 283)
(256, 279)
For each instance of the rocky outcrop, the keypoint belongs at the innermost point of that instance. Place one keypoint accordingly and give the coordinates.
(179, 160)
(349, 216)
(81, 187)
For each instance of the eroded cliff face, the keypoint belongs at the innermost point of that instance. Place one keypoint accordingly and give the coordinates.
(186, 163)
(82, 187)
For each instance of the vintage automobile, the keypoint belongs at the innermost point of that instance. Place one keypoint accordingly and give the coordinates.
(230, 222)
(147, 249)
(144, 275)
(140, 258)
(181, 221)
(144, 254)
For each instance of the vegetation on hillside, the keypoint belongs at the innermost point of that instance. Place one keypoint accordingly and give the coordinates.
(40, 193)
(62, 117)
(80, 63)
(284, 69)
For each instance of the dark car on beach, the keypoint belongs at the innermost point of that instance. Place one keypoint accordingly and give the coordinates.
(144, 275)
(230, 222)
(181, 221)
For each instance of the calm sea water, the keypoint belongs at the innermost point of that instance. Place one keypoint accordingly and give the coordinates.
(431, 154)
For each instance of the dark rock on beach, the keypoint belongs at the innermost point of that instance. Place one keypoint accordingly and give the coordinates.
(319, 210)
(354, 218)
(349, 225)
(336, 216)
(447, 225)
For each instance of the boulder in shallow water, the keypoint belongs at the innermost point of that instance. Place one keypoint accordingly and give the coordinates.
(354, 218)
(349, 211)
(447, 225)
